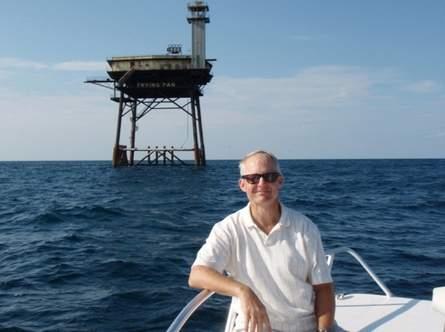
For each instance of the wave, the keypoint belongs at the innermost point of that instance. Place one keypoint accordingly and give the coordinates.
(12, 329)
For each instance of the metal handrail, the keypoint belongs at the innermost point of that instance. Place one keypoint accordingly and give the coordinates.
(199, 299)
(188, 310)
(365, 266)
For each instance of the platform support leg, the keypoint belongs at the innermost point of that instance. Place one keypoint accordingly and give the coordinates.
(133, 132)
(195, 134)
(116, 150)
(201, 134)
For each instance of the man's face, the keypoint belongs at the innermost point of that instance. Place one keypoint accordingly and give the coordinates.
(262, 192)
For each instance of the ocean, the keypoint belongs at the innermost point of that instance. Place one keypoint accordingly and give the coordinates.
(85, 247)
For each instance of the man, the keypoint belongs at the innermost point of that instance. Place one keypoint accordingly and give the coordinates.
(278, 276)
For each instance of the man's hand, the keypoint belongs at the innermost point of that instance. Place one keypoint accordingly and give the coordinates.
(255, 313)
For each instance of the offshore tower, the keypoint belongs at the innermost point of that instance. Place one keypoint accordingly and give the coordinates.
(143, 84)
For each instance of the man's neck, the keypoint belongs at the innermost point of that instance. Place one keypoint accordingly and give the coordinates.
(266, 217)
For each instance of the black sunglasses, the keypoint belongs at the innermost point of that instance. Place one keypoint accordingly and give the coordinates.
(255, 178)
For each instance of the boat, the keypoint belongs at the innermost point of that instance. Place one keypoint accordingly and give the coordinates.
(358, 311)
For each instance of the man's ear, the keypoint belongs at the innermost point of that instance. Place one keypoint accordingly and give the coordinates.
(242, 185)
(280, 181)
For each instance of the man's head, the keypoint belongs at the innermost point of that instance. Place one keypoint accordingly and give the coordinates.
(261, 177)
(262, 153)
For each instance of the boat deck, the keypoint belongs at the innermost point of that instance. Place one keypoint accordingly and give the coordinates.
(369, 312)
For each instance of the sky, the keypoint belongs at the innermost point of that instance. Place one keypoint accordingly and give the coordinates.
(302, 79)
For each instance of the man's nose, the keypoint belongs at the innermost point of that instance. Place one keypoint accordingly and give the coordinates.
(262, 181)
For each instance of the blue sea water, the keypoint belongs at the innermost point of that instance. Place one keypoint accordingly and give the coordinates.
(85, 247)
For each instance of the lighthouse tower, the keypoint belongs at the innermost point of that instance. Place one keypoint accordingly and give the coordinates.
(198, 19)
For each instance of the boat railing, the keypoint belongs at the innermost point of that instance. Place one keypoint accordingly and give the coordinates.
(331, 256)
(204, 295)
(188, 310)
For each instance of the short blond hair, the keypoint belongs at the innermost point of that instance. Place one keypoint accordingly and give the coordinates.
(267, 154)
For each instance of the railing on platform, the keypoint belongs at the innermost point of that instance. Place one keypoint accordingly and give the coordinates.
(152, 156)
(161, 156)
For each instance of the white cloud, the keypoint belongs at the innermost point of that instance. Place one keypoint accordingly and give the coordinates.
(280, 114)
(82, 66)
(56, 127)
(425, 86)
(438, 134)
(319, 112)
(323, 111)
(75, 65)
(16, 63)
(325, 87)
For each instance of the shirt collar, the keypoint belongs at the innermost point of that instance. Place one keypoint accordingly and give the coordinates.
(284, 220)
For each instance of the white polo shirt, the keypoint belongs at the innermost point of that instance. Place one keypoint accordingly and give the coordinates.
(280, 267)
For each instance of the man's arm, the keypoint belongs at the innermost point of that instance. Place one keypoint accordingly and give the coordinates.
(324, 305)
(207, 278)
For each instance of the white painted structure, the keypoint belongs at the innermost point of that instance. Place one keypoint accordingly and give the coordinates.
(198, 19)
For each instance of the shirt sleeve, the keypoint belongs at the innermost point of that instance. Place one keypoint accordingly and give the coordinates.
(319, 272)
(215, 252)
